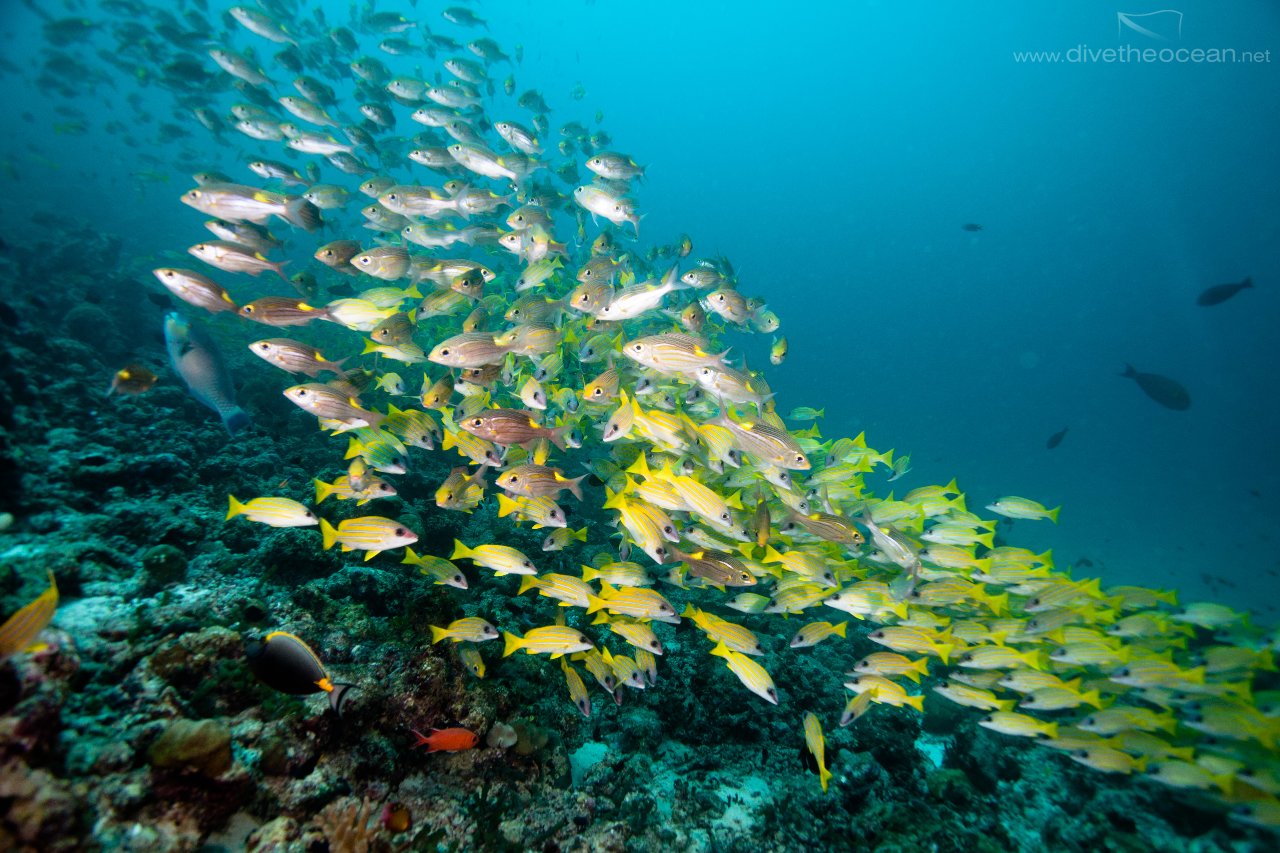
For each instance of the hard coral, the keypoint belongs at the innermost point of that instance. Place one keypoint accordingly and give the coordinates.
(203, 746)
(346, 825)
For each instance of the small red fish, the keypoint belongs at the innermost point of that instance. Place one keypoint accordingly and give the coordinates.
(446, 740)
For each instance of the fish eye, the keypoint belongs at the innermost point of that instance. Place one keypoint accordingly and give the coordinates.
(399, 531)
(444, 352)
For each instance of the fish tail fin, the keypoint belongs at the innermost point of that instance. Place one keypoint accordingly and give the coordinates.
(506, 506)
(595, 603)
(1037, 660)
(1053, 514)
(328, 533)
(234, 507)
(589, 574)
(824, 776)
(460, 550)
(511, 643)
(338, 695)
(916, 702)
(581, 535)
(410, 558)
(943, 651)
(527, 582)
(1092, 698)
(302, 213)
(640, 467)
(323, 490)
(557, 436)
(1006, 704)
(438, 634)
(422, 740)
(235, 419)
(841, 628)
(575, 488)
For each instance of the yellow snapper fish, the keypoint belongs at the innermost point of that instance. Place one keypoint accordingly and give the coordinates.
(1025, 508)
(372, 534)
(470, 629)
(568, 590)
(633, 601)
(752, 675)
(438, 569)
(371, 488)
(562, 538)
(817, 747)
(19, 631)
(274, 512)
(577, 689)
(554, 640)
(503, 559)
(816, 632)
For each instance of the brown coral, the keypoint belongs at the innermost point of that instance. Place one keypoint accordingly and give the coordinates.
(346, 825)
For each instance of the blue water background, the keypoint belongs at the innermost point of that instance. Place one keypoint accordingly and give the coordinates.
(832, 151)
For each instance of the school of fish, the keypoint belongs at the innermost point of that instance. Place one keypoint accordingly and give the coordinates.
(503, 314)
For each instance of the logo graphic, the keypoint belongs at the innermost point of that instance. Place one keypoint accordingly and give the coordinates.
(1164, 25)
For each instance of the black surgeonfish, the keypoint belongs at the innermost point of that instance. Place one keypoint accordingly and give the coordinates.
(1165, 391)
(285, 663)
(1056, 438)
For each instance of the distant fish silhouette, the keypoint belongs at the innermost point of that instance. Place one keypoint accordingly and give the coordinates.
(1220, 293)
(1165, 391)
(1056, 438)
(971, 226)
